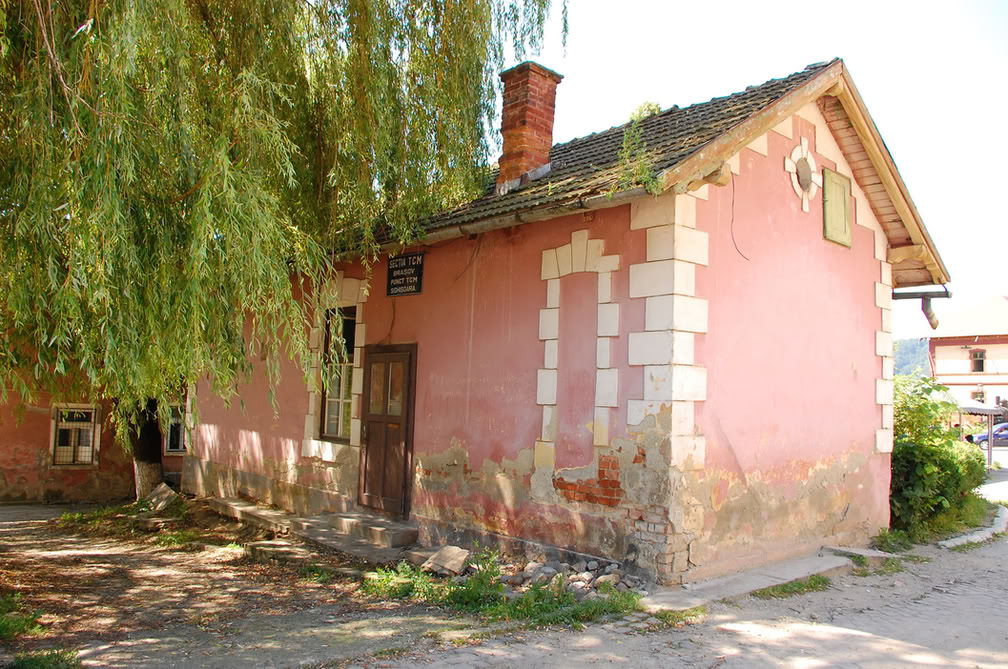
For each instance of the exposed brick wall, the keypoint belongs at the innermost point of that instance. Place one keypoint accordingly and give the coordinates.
(527, 119)
(604, 490)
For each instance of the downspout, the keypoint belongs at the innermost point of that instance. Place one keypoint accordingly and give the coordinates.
(925, 298)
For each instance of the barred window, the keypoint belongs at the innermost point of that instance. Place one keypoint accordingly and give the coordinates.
(336, 400)
(75, 435)
(978, 358)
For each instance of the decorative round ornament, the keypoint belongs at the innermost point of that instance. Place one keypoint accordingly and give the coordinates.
(804, 177)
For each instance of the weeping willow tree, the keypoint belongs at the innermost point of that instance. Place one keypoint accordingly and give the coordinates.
(173, 174)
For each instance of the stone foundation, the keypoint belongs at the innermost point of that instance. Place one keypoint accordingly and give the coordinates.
(210, 479)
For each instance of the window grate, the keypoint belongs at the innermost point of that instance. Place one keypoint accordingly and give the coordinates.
(75, 429)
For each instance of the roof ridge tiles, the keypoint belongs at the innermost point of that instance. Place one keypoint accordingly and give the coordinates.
(580, 165)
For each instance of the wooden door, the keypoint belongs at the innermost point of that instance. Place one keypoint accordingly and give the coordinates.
(386, 463)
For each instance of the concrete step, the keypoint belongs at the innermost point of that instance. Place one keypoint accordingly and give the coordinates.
(368, 538)
(278, 551)
(318, 531)
(270, 519)
(373, 528)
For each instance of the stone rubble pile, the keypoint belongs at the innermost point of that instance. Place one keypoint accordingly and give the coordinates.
(582, 579)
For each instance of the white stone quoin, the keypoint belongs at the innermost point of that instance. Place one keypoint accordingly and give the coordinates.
(580, 255)
(673, 315)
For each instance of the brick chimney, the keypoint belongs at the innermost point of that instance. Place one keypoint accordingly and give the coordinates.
(527, 119)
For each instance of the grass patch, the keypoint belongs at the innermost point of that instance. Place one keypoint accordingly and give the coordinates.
(968, 546)
(390, 653)
(972, 545)
(975, 511)
(483, 595)
(890, 566)
(15, 620)
(892, 541)
(680, 618)
(918, 559)
(96, 516)
(858, 560)
(176, 538)
(316, 573)
(814, 583)
(46, 659)
(543, 607)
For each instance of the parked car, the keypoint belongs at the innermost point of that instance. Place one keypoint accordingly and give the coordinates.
(1000, 436)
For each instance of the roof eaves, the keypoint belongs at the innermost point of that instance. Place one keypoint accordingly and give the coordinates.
(883, 161)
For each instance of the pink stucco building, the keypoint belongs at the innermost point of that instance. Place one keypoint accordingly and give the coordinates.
(67, 452)
(61, 452)
(689, 382)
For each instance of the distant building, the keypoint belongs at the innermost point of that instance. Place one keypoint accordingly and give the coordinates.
(969, 352)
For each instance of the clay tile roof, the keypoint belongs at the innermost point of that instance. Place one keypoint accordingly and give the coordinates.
(588, 166)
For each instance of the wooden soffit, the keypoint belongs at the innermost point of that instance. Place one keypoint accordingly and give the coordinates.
(911, 251)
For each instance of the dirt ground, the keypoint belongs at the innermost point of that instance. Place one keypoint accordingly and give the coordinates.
(124, 601)
(100, 588)
(950, 611)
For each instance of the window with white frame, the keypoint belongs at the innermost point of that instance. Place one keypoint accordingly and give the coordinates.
(74, 436)
(174, 438)
(338, 352)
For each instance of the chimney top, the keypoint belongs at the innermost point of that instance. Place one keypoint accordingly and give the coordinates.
(526, 122)
(531, 65)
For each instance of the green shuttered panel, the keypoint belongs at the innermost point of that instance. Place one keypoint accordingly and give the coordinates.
(836, 207)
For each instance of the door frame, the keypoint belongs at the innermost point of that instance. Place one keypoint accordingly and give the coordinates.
(407, 493)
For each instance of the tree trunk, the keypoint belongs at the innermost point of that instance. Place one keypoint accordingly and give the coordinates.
(147, 470)
(148, 475)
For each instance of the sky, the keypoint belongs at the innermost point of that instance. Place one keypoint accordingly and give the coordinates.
(934, 76)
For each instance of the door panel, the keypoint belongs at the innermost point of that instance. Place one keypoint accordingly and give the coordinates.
(387, 427)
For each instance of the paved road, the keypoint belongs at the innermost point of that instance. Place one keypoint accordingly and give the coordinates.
(996, 488)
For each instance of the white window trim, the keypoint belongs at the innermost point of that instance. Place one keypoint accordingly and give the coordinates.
(340, 291)
(96, 439)
(187, 424)
(348, 368)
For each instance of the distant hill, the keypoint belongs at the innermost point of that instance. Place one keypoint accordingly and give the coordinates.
(912, 357)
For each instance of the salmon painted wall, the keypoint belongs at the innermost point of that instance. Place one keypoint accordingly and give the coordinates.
(252, 445)
(26, 472)
(477, 419)
(791, 412)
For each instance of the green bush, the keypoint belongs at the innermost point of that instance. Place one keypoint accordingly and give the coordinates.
(931, 469)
